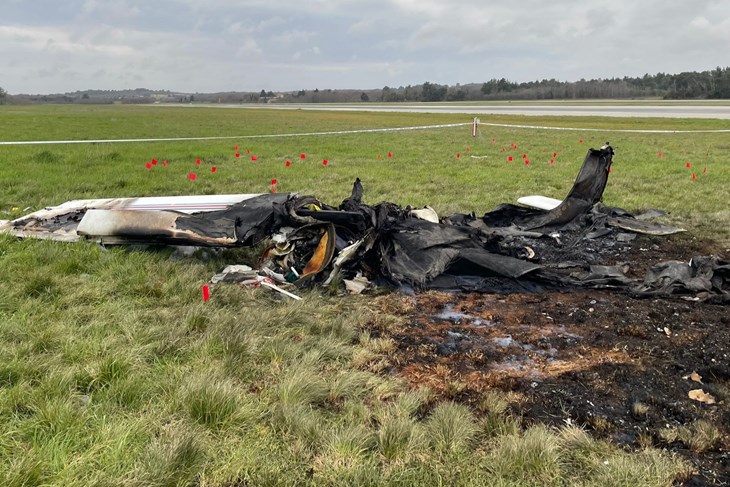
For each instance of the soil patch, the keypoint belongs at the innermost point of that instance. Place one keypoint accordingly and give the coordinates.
(621, 367)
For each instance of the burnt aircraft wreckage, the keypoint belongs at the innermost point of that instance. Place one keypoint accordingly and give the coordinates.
(562, 245)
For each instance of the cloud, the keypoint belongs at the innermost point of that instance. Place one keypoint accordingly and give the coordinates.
(216, 45)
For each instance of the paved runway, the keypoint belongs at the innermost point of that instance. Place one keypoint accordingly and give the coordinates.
(659, 111)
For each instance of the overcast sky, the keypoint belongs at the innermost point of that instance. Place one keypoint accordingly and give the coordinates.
(50, 46)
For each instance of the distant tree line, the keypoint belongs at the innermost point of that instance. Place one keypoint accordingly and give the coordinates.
(687, 85)
(705, 84)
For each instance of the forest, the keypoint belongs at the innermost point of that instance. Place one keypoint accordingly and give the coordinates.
(712, 84)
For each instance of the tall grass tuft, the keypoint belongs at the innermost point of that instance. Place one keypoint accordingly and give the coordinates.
(699, 436)
(398, 437)
(650, 468)
(173, 459)
(24, 469)
(302, 386)
(349, 385)
(451, 428)
(239, 345)
(496, 419)
(531, 458)
(211, 402)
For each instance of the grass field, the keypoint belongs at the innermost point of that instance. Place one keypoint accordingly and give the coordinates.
(114, 372)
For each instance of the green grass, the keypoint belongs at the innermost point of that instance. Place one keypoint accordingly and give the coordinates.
(114, 372)
(424, 168)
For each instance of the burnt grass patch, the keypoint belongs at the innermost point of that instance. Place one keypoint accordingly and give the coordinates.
(620, 367)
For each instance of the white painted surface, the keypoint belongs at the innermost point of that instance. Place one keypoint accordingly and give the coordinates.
(540, 202)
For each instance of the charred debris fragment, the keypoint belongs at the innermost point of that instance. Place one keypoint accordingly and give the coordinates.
(307, 242)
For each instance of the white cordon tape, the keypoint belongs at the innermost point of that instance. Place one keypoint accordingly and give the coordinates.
(624, 131)
(362, 131)
(265, 136)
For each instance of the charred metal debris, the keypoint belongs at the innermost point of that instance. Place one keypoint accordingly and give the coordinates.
(307, 242)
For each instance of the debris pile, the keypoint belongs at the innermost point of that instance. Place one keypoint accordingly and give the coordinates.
(510, 249)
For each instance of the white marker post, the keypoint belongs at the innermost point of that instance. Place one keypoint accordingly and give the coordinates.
(474, 127)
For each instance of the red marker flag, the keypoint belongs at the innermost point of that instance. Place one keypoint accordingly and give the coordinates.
(325, 162)
(302, 156)
(273, 185)
(555, 154)
(164, 163)
(288, 163)
(552, 161)
(524, 156)
(254, 158)
(148, 165)
(509, 158)
(235, 147)
(661, 154)
(248, 151)
(154, 162)
(580, 141)
(688, 165)
(213, 169)
(458, 155)
(192, 176)
(390, 154)
(694, 176)
(527, 162)
(206, 293)
(197, 161)
(238, 154)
